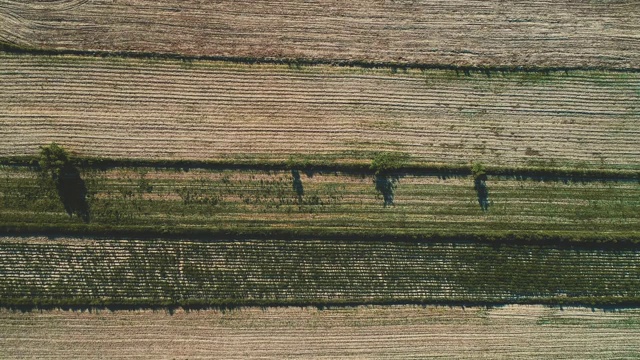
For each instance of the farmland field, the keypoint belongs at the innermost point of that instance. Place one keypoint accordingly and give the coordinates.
(403, 332)
(128, 108)
(330, 201)
(560, 33)
(320, 179)
(42, 270)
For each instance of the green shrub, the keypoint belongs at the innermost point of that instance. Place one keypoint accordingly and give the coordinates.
(54, 159)
(389, 162)
(478, 172)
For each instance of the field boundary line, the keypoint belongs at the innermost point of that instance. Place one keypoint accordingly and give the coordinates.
(85, 303)
(298, 62)
(559, 239)
(361, 167)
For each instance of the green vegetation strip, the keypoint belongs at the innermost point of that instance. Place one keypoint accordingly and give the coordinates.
(102, 272)
(302, 162)
(276, 203)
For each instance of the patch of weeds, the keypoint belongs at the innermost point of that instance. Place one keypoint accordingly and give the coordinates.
(199, 193)
(143, 184)
(530, 152)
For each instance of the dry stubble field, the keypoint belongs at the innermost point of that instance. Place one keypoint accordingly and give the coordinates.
(407, 332)
(126, 108)
(562, 33)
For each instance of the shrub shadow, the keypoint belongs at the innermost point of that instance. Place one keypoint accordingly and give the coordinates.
(73, 192)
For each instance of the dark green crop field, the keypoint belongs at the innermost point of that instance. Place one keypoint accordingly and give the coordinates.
(40, 270)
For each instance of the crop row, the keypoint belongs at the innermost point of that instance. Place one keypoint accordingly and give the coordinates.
(461, 32)
(123, 198)
(203, 110)
(308, 270)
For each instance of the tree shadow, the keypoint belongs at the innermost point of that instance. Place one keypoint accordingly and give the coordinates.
(297, 185)
(483, 192)
(73, 192)
(386, 186)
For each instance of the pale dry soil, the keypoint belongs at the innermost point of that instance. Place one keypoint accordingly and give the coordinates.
(126, 108)
(461, 32)
(374, 332)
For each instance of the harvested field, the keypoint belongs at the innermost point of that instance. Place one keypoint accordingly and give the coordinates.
(403, 332)
(241, 199)
(128, 271)
(239, 166)
(127, 108)
(459, 32)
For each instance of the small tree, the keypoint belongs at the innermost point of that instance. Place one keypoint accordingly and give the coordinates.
(479, 172)
(386, 163)
(54, 160)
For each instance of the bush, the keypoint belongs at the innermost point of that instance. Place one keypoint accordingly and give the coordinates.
(386, 163)
(479, 172)
(54, 159)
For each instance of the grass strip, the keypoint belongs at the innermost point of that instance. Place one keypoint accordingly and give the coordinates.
(362, 167)
(586, 239)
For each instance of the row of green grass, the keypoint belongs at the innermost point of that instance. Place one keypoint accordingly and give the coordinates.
(206, 201)
(365, 165)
